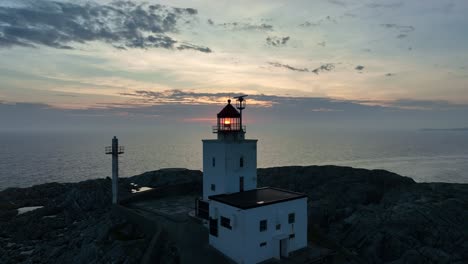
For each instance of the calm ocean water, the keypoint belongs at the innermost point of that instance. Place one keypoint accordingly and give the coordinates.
(28, 158)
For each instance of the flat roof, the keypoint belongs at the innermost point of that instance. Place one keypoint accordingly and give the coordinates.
(257, 197)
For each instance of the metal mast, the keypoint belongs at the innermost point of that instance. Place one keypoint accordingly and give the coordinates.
(115, 150)
(241, 106)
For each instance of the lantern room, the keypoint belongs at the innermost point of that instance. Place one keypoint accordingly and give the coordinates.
(229, 120)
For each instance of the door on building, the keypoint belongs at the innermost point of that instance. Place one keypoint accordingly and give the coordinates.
(284, 248)
(241, 183)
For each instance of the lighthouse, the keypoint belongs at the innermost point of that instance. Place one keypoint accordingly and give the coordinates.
(246, 223)
(230, 161)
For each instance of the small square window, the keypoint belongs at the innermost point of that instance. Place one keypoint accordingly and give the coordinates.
(213, 187)
(278, 226)
(263, 244)
(291, 218)
(291, 236)
(241, 162)
(213, 162)
(263, 225)
(226, 222)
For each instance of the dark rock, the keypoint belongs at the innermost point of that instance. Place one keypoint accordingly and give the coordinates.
(374, 215)
(166, 177)
(383, 217)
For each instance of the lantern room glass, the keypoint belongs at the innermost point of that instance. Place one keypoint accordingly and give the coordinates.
(229, 124)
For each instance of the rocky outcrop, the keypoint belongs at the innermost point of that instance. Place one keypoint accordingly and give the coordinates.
(74, 226)
(165, 177)
(379, 216)
(373, 215)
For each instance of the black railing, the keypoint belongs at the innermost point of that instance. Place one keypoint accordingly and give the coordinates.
(223, 129)
(120, 150)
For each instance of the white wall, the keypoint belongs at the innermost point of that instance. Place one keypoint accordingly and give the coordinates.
(242, 243)
(229, 242)
(226, 172)
(217, 174)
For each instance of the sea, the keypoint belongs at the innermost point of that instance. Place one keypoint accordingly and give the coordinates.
(34, 157)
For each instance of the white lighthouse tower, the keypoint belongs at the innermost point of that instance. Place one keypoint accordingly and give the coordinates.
(246, 223)
(230, 161)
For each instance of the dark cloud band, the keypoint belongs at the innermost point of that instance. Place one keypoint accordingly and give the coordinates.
(324, 67)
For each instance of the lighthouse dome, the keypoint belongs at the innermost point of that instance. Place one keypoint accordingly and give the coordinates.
(229, 111)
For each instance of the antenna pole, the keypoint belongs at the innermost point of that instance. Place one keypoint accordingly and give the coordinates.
(240, 110)
(115, 170)
(241, 107)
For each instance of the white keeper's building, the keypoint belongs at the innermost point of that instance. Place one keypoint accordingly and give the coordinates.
(246, 223)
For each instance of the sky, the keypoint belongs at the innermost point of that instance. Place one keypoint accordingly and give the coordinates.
(336, 63)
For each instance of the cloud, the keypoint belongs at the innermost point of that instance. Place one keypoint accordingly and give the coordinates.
(337, 2)
(401, 28)
(183, 98)
(425, 105)
(193, 47)
(246, 26)
(390, 74)
(448, 8)
(277, 41)
(325, 110)
(188, 98)
(319, 110)
(176, 97)
(309, 24)
(319, 22)
(401, 36)
(123, 24)
(324, 67)
(286, 66)
(388, 5)
(359, 68)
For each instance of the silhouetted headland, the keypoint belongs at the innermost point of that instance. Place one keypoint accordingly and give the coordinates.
(446, 129)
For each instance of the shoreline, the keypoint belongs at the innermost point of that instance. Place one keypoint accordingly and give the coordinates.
(347, 164)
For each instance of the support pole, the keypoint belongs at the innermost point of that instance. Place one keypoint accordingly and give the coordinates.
(115, 170)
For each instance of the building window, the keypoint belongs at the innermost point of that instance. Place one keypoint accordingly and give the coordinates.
(291, 236)
(213, 162)
(213, 187)
(241, 183)
(291, 218)
(263, 225)
(241, 162)
(278, 226)
(263, 244)
(226, 222)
